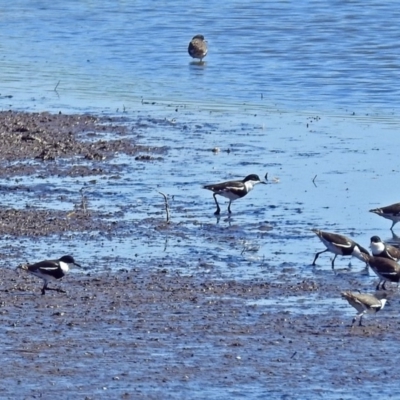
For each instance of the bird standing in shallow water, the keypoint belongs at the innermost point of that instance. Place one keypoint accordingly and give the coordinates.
(339, 245)
(391, 212)
(198, 47)
(364, 303)
(386, 269)
(233, 190)
(51, 270)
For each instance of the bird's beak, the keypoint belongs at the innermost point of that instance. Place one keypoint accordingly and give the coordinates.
(264, 183)
(78, 265)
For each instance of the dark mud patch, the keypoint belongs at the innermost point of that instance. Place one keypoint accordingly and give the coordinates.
(32, 138)
(35, 223)
(148, 334)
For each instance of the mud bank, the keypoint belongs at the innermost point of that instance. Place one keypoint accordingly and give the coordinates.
(137, 334)
(28, 140)
(147, 329)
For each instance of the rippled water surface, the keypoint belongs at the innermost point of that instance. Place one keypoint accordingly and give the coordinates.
(297, 55)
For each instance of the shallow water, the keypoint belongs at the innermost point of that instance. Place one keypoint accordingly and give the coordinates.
(291, 55)
(319, 175)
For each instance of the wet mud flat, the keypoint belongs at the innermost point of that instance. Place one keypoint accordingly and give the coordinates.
(147, 330)
(29, 138)
(155, 334)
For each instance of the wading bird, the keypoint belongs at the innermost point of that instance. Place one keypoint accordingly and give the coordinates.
(233, 190)
(391, 212)
(198, 47)
(51, 270)
(339, 245)
(365, 303)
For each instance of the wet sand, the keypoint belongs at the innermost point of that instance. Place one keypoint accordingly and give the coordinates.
(154, 333)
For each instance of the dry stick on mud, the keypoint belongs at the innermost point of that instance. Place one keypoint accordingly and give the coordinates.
(166, 205)
(55, 89)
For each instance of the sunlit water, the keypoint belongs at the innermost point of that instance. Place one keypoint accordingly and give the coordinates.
(292, 55)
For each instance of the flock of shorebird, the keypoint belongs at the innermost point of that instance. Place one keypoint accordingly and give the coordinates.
(384, 257)
(383, 260)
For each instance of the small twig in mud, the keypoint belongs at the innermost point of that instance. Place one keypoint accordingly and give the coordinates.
(55, 89)
(293, 354)
(266, 177)
(83, 201)
(313, 181)
(166, 205)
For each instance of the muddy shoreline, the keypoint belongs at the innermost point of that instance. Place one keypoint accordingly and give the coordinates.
(149, 334)
(150, 331)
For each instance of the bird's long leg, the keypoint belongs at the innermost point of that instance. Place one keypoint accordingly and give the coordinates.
(49, 288)
(317, 255)
(393, 224)
(333, 261)
(229, 207)
(44, 288)
(384, 285)
(366, 269)
(361, 316)
(216, 202)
